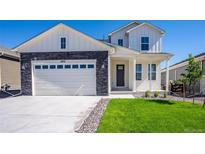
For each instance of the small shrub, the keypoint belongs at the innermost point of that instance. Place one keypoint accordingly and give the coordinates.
(147, 93)
(165, 94)
(156, 94)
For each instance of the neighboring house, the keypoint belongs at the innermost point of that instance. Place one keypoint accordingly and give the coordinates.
(177, 69)
(64, 61)
(9, 69)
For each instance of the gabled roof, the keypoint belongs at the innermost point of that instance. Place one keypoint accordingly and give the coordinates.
(34, 38)
(122, 27)
(128, 50)
(184, 62)
(148, 24)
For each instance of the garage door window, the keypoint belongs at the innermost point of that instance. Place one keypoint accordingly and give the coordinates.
(82, 66)
(37, 67)
(74, 66)
(45, 66)
(90, 65)
(52, 66)
(59, 66)
(67, 66)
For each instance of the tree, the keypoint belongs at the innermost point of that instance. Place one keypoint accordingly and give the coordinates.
(193, 74)
(183, 81)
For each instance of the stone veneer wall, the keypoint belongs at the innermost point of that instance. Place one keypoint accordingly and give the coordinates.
(101, 73)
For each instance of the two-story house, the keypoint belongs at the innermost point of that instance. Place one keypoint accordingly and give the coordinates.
(64, 61)
(139, 53)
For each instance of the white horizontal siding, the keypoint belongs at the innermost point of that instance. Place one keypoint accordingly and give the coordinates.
(155, 38)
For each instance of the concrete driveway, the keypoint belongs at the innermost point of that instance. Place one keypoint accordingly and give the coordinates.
(44, 114)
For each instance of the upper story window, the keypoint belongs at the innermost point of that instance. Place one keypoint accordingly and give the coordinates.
(120, 42)
(138, 71)
(152, 71)
(144, 43)
(63, 42)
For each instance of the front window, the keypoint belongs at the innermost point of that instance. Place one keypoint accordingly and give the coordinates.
(120, 42)
(152, 71)
(138, 71)
(144, 43)
(63, 42)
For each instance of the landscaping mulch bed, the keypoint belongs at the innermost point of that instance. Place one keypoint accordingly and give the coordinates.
(91, 123)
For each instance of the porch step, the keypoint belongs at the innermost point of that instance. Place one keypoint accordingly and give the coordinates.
(121, 92)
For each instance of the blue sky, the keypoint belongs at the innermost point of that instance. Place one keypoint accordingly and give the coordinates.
(181, 38)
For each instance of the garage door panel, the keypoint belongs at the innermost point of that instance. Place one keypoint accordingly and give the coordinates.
(65, 81)
(62, 79)
(62, 92)
(61, 85)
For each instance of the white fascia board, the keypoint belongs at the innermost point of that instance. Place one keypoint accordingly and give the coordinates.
(123, 27)
(153, 27)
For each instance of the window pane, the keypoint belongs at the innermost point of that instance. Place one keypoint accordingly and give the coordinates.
(67, 66)
(138, 76)
(74, 66)
(59, 66)
(153, 67)
(90, 66)
(63, 43)
(154, 76)
(144, 39)
(120, 42)
(153, 71)
(52, 66)
(45, 66)
(138, 67)
(82, 66)
(37, 66)
(145, 47)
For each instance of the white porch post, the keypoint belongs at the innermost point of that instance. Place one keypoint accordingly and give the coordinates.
(150, 76)
(134, 75)
(167, 75)
(109, 80)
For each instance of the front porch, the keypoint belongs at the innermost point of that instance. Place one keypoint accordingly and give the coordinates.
(122, 74)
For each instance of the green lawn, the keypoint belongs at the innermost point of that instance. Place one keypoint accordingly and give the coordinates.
(152, 116)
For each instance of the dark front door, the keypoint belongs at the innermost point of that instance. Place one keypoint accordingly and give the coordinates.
(120, 75)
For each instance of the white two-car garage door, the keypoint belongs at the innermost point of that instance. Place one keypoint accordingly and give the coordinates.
(72, 77)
